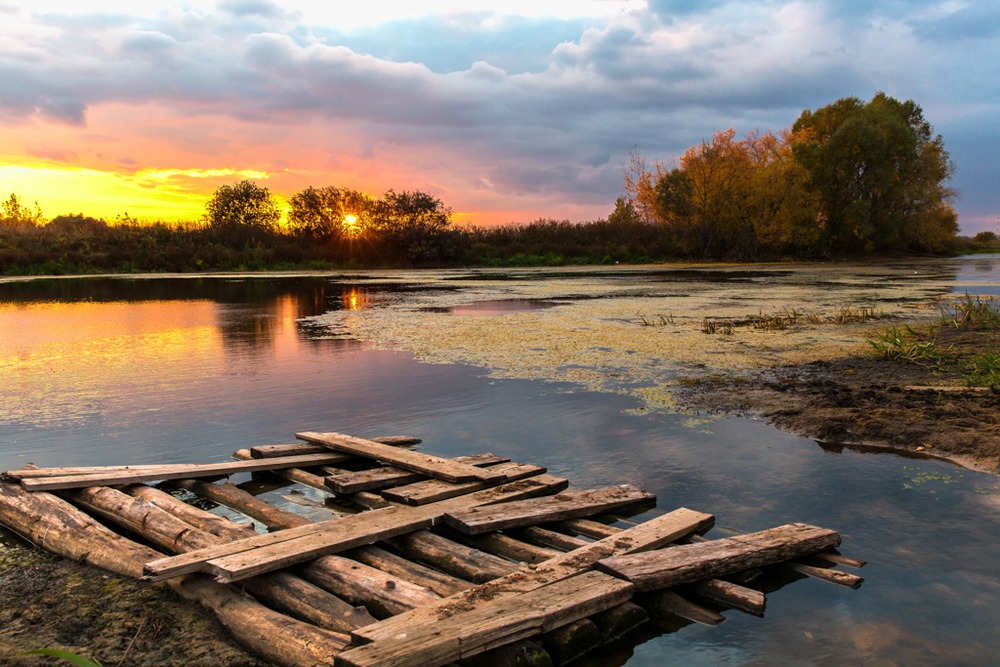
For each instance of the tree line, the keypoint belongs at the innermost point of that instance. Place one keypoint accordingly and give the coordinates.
(848, 179)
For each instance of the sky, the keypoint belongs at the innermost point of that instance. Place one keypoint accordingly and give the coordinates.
(506, 111)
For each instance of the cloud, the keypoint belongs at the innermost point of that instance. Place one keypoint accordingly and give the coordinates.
(539, 106)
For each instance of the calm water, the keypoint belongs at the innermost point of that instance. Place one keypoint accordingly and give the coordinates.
(156, 370)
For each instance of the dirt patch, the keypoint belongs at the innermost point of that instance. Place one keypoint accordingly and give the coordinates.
(922, 407)
(50, 602)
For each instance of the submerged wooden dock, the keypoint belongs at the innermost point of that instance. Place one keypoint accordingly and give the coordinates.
(426, 561)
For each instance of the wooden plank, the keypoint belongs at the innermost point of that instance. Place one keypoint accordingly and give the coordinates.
(432, 466)
(687, 563)
(433, 490)
(649, 535)
(569, 505)
(119, 477)
(271, 451)
(256, 555)
(387, 476)
(493, 623)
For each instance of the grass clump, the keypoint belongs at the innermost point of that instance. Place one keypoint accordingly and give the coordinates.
(859, 314)
(711, 326)
(984, 371)
(904, 344)
(972, 312)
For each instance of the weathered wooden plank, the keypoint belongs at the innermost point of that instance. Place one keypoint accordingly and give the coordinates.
(170, 471)
(255, 555)
(388, 476)
(572, 504)
(649, 535)
(690, 562)
(493, 623)
(26, 473)
(432, 466)
(270, 451)
(433, 490)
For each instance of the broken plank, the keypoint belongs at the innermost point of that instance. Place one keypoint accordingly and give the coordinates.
(112, 477)
(493, 623)
(649, 535)
(387, 476)
(263, 553)
(433, 490)
(569, 505)
(432, 466)
(687, 563)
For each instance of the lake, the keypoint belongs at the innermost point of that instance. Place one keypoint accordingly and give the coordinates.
(565, 368)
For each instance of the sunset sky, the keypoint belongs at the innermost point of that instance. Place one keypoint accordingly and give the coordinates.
(507, 111)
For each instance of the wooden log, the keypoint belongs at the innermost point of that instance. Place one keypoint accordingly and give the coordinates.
(571, 641)
(568, 505)
(664, 604)
(387, 476)
(728, 594)
(550, 538)
(289, 593)
(832, 576)
(57, 526)
(168, 472)
(687, 563)
(233, 497)
(457, 559)
(271, 451)
(493, 623)
(433, 490)
(617, 621)
(264, 553)
(432, 466)
(502, 545)
(212, 524)
(524, 653)
(381, 593)
(434, 580)
(654, 533)
(835, 558)
(587, 528)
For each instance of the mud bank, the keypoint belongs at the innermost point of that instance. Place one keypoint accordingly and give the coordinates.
(922, 409)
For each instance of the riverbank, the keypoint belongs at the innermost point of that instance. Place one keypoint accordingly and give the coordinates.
(921, 407)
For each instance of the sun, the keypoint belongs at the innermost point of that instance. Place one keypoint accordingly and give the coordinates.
(350, 225)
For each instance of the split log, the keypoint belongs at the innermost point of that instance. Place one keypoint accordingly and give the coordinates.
(502, 545)
(568, 505)
(654, 533)
(832, 576)
(59, 527)
(432, 466)
(587, 528)
(439, 582)
(381, 478)
(493, 623)
(732, 595)
(687, 563)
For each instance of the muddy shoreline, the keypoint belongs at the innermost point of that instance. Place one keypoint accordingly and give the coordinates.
(918, 408)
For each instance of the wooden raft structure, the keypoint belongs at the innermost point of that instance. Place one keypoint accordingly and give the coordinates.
(426, 561)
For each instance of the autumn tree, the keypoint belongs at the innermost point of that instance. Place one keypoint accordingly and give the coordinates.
(415, 224)
(880, 173)
(242, 212)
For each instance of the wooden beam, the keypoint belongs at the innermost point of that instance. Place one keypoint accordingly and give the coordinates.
(433, 490)
(650, 535)
(432, 466)
(687, 563)
(270, 451)
(493, 623)
(389, 476)
(569, 505)
(118, 477)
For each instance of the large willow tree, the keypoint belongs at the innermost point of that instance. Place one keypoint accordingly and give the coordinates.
(880, 173)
